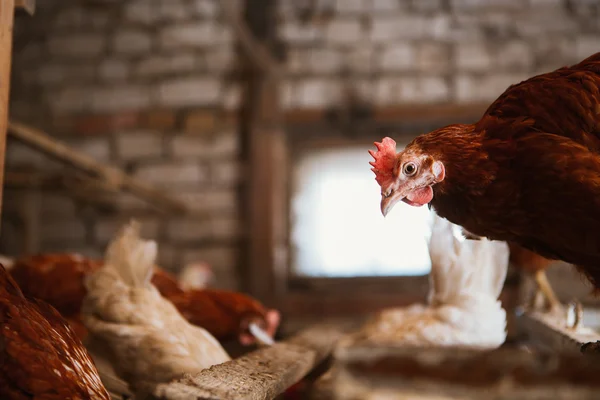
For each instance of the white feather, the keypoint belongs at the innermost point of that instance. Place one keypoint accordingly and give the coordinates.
(147, 340)
(466, 279)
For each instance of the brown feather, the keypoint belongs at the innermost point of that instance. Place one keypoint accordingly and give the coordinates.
(40, 356)
(529, 170)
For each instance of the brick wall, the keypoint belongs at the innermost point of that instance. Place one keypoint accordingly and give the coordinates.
(144, 85)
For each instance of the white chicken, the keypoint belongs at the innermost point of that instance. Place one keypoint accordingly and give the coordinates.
(466, 279)
(146, 339)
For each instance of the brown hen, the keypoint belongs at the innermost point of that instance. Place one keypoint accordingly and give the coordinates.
(527, 172)
(57, 278)
(40, 356)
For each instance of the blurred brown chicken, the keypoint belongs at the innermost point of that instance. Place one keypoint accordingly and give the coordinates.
(40, 356)
(536, 265)
(57, 278)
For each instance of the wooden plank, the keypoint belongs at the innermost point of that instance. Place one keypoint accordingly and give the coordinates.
(391, 372)
(546, 331)
(262, 374)
(27, 5)
(110, 175)
(7, 12)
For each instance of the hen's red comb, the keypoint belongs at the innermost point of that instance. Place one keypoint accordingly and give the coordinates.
(385, 157)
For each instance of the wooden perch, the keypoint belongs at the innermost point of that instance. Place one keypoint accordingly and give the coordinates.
(547, 332)
(27, 5)
(7, 13)
(262, 374)
(111, 177)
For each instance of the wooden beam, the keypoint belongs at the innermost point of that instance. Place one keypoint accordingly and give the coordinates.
(7, 12)
(111, 176)
(262, 374)
(263, 143)
(27, 5)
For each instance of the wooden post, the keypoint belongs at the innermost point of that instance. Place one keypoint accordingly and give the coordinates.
(263, 143)
(7, 13)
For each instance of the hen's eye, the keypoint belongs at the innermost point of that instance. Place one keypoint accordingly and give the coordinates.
(409, 169)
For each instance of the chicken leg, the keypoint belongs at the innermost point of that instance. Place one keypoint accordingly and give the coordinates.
(544, 288)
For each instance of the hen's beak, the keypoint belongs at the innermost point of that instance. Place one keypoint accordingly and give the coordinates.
(389, 198)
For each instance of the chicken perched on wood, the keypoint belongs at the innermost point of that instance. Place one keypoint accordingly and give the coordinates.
(465, 281)
(40, 356)
(146, 338)
(535, 265)
(527, 172)
(57, 278)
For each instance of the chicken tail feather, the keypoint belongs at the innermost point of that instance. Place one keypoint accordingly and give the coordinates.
(132, 257)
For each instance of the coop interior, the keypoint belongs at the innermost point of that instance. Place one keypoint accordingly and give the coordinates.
(216, 230)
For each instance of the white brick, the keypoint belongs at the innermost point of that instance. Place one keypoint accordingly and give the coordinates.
(190, 92)
(361, 59)
(287, 94)
(161, 65)
(223, 144)
(118, 98)
(296, 33)
(219, 59)
(173, 10)
(472, 57)
(206, 8)
(135, 145)
(427, 5)
(325, 60)
(385, 6)
(482, 4)
(107, 228)
(397, 57)
(132, 42)
(585, 46)
(343, 31)
(487, 88)
(70, 99)
(232, 97)
(314, 93)
(350, 6)
(197, 34)
(77, 17)
(96, 147)
(113, 70)
(79, 46)
(169, 174)
(299, 60)
(409, 27)
(225, 173)
(210, 200)
(514, 55)
(186, 230)
(545, 21)
(391, 91)
(432, 57)
(225, 228)
(141, 11)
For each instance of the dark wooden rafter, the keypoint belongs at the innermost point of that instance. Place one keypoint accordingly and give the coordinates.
(263, 145)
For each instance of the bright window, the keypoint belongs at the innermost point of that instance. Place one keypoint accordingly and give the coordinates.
(337, 226)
